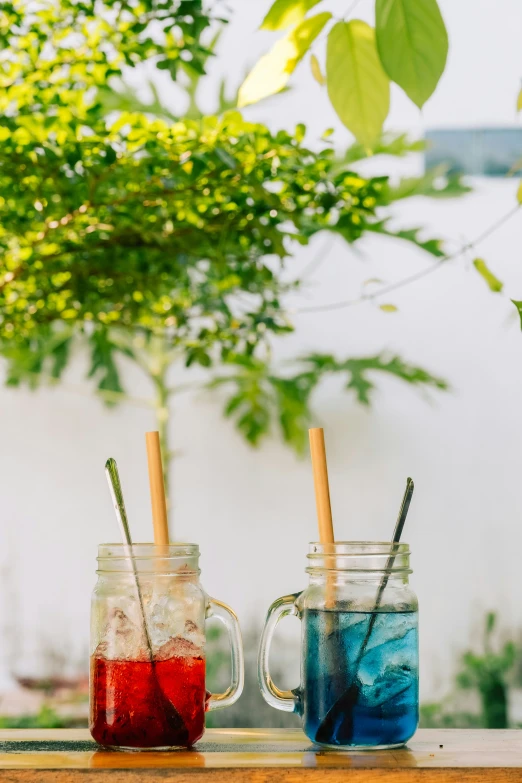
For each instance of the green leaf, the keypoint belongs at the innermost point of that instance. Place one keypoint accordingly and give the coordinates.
(436, 183)
(396, 366)
(519, 193)
(300, 132)
(493, 283)
(41, 358)
(413, 45)
(292, 405)
(518, 305)
(357, 371)
(357, 85)
(397, 145)
(490, 622)
(388, 308)
(285, 13)
(126, 100)
(316, 70)
(226, 158)
(519, 101)
(103, 365)
(432, 246)
(272, 72)
(60, 356)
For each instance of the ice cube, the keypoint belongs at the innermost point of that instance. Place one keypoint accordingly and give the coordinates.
(388, 669)
(122, 638)
(194, 634)
(387, 685)
(353, 619)
(165, 621)
(389, 626)
(397, 652)
(177, 647)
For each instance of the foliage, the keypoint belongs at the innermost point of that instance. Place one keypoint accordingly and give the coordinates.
(53, 53)
(436, 183)
(46, 718)
(397, 145)
(272, 72)
(205, 202)
(413, 45)
(518, 305)
(130, 234)
(433, 715)
(491, 280)
(259, 397)
(408, 46)
(354, 73)
(487, 672)
(174, 234)
(490, 673)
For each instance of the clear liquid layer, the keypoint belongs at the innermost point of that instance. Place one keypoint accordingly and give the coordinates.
(354, 696)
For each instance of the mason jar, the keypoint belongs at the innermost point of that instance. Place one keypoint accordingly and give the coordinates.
(359, 647)
(147, 672)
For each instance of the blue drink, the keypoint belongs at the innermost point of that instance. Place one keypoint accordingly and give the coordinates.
(355, 693)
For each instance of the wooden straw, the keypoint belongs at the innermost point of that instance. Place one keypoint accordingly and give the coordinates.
(322, 502)
(322, 489)
(157, 490)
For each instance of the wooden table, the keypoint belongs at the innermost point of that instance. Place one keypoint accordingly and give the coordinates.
(262, 756)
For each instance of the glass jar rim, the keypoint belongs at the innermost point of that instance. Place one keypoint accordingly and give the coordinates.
(146, 558)
(358, 548)
(147, 550)
(370, 557)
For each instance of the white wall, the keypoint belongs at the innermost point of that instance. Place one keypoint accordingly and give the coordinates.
(252, 512)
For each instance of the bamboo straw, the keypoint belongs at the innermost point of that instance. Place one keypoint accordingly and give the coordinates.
(157, 490)
(322, 501)
(322, 489)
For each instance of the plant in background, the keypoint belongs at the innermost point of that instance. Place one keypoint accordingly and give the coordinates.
(487, 672)
(46, 718)
(490, 674)
(164, 241)
(436, 715)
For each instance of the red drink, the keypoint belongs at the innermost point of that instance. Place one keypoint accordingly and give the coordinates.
(137, 705)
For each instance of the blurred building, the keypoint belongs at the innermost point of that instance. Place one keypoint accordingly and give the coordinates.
(487, 152)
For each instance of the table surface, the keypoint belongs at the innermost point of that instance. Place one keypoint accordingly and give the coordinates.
(262, 756)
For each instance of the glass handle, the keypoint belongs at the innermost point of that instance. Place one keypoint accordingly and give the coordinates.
(281, 700)
(229, 619)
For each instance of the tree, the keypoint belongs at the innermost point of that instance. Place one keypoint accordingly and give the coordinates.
(164, 240)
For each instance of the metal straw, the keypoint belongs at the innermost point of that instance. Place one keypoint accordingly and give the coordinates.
(399, 525)
(113, 478)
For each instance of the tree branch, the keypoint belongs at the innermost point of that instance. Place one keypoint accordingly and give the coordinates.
(386, 289)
